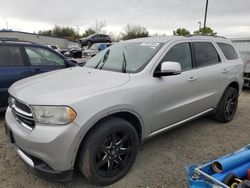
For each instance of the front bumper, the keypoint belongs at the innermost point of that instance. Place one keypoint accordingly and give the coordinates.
(47, 150)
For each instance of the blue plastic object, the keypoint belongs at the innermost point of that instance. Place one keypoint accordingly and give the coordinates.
(240, 172)
(233, 161)
(196, 183)
(207, 179)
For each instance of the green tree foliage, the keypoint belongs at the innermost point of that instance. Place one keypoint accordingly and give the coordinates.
(63, 32)
(205, 31)
(134, 31)
(88, 31)
(97, 27)
(181, 32)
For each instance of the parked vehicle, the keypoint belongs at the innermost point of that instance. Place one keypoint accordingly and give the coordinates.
(95, 49)
(75, 52)
(55, 47)
(20, 59)
(246, 59)
(95, 117)
(96, 38)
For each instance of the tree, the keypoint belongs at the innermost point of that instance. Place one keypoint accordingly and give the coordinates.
(98, 26)
(205, 31)
(63, 32)
(89, 31)
(46, 32)
(134, 31)
(181, 32)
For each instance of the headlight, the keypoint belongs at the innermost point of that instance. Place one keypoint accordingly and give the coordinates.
(54, 115)
(11, 101)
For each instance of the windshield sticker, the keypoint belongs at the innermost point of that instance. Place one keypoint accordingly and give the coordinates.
(150, 44)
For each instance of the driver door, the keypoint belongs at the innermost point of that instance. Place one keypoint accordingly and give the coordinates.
(43, 60)
(176, 97)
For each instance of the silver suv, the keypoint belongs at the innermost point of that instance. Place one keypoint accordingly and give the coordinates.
(94, 118)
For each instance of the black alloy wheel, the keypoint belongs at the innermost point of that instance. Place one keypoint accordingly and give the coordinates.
(114, 154)
(109, 151)
(227, 106)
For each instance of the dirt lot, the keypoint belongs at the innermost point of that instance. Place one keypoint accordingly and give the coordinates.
(162, 160)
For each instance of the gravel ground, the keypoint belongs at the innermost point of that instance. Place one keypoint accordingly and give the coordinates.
(161, 161)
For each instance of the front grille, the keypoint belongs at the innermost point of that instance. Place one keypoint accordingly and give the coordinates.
(246, 75)
(23, 114)
(22, 106)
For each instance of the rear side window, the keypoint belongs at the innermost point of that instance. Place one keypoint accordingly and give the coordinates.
(10, 56)
(205, 54)
(228, 51)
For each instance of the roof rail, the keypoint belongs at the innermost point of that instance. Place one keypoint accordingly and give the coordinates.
(205, 36)
(14, 40)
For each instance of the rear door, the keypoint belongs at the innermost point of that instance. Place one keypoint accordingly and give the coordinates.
(12, 68)
(43, 60)
(212, 73)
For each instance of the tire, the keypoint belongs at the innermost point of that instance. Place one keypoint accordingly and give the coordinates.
(227, 106)
(109, 151)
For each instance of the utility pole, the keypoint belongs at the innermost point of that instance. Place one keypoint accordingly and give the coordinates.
(205, 18)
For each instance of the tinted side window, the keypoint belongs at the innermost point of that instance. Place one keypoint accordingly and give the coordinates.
(180, 53)
(228, 51)
(10, 56)
(43, 57)
(205, 54)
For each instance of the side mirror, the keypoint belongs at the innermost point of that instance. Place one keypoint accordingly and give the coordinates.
(168, 68)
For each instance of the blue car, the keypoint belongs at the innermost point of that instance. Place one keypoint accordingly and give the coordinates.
(21, 59)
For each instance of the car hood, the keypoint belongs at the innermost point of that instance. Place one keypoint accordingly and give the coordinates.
(65, 86)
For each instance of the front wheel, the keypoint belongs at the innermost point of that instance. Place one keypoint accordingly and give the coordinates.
(227, 106)
(109, 152)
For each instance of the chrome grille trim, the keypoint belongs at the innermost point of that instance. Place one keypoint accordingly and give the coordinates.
(19, 111)
(23, 114)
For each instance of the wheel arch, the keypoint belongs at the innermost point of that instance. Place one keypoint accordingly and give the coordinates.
(128, 115)
(235, 85)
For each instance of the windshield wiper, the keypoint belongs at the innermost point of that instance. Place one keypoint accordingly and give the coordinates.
(103, 60)
(124, 63)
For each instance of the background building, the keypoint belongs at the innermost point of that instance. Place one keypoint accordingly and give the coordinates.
(40, 39)
(242, 44)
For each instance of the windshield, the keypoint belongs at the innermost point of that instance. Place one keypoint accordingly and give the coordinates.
(127, 57)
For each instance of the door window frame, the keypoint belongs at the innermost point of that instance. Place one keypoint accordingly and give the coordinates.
(40, 47)
(168, 48)
(25, 63)
(193, 51)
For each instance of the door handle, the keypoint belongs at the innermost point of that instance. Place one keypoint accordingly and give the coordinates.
(192, 78)
(225, 71)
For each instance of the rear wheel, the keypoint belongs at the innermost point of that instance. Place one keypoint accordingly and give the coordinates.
(227, 105)
(109, 152)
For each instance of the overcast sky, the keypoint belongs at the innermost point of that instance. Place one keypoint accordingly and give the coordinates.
(230, 18)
